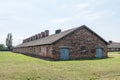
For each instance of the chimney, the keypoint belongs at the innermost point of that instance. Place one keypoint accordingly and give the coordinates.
(28, 39)
(57, 31)
(46, 33)
(32, 38)
(42, 34)
(36, 37)
(110, 42)
(39, 35)
(23, 41)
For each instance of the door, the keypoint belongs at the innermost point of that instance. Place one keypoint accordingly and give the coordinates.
(64, 54)
(99, 52)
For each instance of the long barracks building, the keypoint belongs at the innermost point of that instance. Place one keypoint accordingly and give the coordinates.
(77, 43)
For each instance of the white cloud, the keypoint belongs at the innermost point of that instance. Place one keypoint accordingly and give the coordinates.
(61, 20)
(82, 6)
(64, 6)
(80, 11)
(92, 16)
(78, 6)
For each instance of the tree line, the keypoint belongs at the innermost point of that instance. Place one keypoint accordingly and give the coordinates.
(8, 46)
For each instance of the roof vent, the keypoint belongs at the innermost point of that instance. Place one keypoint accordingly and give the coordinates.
(57, 31)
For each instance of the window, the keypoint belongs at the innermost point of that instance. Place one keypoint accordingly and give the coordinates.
(34, 50)
(31, 50)
(40, 49)
(47, 50)
(82, 49)
(53, 52)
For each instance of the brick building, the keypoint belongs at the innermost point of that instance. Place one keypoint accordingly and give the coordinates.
(113, 46)
(76, 43)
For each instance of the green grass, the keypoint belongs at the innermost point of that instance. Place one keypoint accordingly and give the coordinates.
(20, 67)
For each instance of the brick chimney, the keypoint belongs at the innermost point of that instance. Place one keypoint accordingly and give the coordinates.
(28, 39)
(24, 41)
(32, 38)
(39, 35)
(36, 37)
(46, 33)
(42, 34)
(57, 31)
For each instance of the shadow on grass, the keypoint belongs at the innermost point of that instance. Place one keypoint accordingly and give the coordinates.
(86, 59)
(36, 56)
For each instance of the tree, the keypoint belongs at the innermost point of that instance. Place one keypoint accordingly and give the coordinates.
(9, 41)
(2, 47)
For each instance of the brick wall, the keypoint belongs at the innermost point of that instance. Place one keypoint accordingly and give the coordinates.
(36, 50)
(77, 39)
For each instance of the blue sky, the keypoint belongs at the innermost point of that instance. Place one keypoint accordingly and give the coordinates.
(24, 18)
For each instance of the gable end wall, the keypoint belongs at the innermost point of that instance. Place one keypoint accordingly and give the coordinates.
(81, 37)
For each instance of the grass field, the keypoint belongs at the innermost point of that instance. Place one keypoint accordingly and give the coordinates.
(20, 67)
